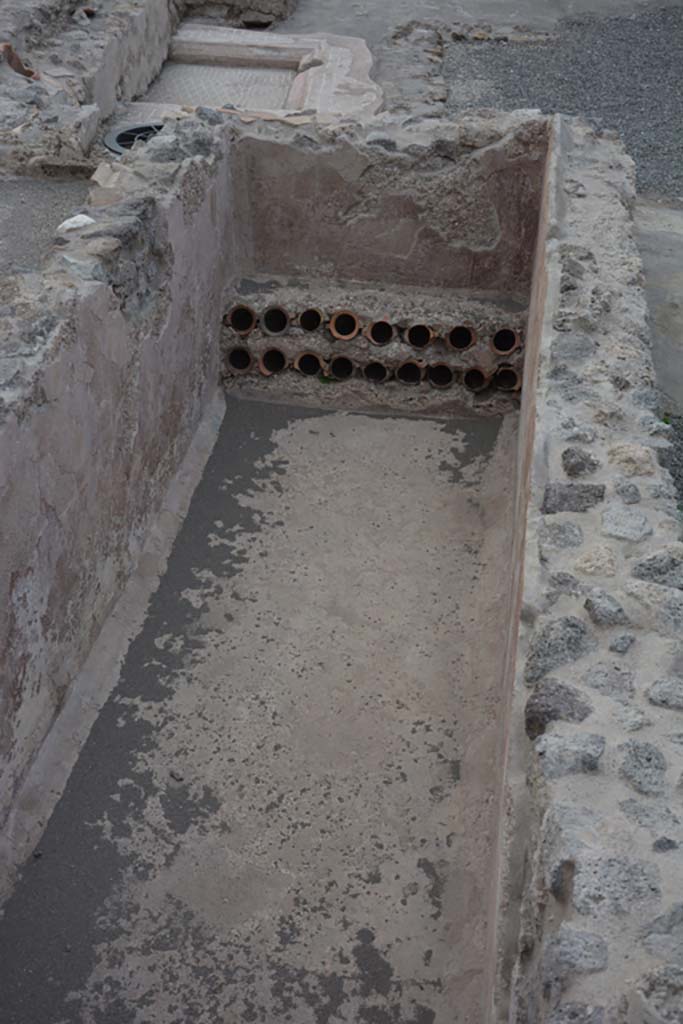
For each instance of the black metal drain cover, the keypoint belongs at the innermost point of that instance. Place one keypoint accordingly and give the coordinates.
(122, 139)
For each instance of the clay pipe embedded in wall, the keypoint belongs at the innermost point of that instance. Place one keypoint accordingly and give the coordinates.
(418, 335)
(410, 372)
(310, 319)
(379, 332)
(504, 341)
(461, 337)
(475, 379)
(376, 373)
(440, 375)
(275, 320)
(341, 368)
(344, 325)
(241, 318)
(309, 364)
(239, 360)
(272, 361)
(507, 378)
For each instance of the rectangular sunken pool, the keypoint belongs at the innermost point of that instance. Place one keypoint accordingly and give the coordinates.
(288, 805)
(305, 771)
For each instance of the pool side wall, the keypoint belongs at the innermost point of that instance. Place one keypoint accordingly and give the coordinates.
(110, 362)
(591, 868)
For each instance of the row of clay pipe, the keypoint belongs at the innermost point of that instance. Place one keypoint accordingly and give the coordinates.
(412, 371)
(345, 325)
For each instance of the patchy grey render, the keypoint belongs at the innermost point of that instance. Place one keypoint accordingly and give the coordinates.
(341, 561)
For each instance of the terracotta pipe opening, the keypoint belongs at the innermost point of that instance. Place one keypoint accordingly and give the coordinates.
(275, 320)
(504, 341)
(381, 332)
(341, 368)
(375, 372)
(308, 363)
(242, 319)
(507, 378)
(440, 375)
(272, 361)
(461, 337)
(475, 379)
(310, 319)
(239, 360)
(409, 373)
(344, 325)
(418, 335)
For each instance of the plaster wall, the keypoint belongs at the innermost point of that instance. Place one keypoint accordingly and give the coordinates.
(98, 410)
(458, 213)
(509, 874)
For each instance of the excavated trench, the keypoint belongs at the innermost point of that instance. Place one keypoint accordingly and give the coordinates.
(289, 807)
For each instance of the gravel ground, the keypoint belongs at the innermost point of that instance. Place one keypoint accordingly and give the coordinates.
(30, 211)
(624, 73)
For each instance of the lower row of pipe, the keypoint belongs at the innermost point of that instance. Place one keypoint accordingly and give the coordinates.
(273, 361)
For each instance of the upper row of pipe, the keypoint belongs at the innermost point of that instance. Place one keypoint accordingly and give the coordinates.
(345, 325)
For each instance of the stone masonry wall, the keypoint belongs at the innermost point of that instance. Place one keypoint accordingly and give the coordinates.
(595, 791)
(108, 360)
(83, 67)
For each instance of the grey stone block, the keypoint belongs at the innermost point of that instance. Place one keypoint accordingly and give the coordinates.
(563, 583)
(554, 536)
(572, 497)
(663, 937)
(569, 755)
(662, 605)
(584, 435)
(613, 885)
(623, 643)
(604, 609)
(653, 815)
(629, 493)
(644, 767)
(667, 693)
(577, 1013)
(560, 535)
(611, 680)
(664, 845)
(664, 567)
(578, 462)
(625, 524)
(570, 952)
(660, 994)
(572, 348)
(553, 701)
(557, 642)
(634, 719)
